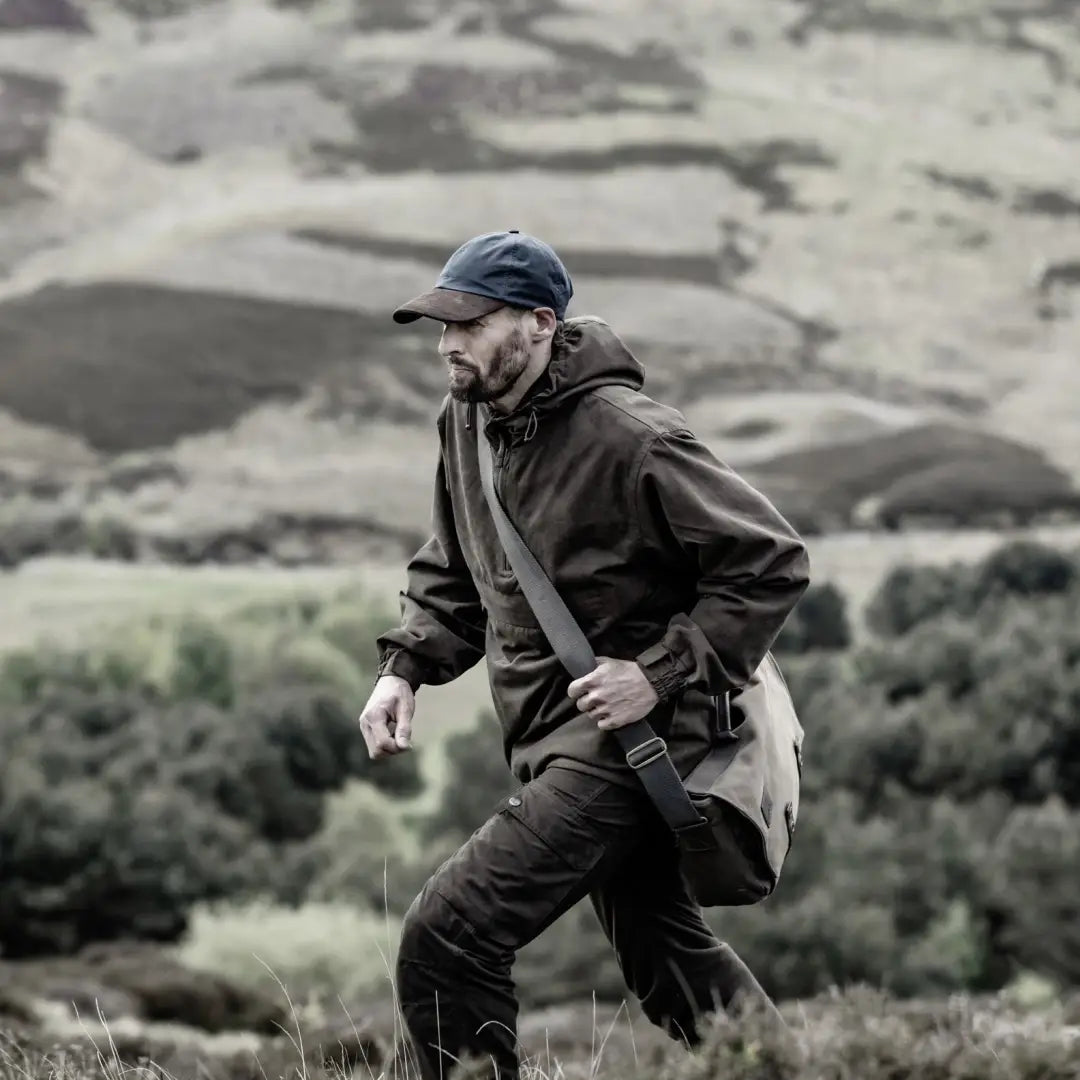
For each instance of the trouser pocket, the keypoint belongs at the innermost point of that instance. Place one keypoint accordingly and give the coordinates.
(530, 861)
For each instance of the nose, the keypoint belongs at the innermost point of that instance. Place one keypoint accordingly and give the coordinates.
(450, 341)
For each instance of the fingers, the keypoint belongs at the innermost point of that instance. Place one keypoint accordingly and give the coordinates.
(590, 701)
(403, 726)
(587, 682)
(578, 687)
(609, 723)
(375, 727)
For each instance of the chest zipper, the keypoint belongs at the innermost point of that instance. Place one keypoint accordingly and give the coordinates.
(502, 454)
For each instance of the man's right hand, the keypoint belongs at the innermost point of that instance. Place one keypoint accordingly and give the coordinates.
(386, 721)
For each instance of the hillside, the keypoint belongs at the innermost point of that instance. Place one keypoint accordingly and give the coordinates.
(840, 236)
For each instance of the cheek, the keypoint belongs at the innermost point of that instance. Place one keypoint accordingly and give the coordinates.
(481, 351)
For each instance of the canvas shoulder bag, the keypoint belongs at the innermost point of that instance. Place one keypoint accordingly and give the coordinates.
(734, 814)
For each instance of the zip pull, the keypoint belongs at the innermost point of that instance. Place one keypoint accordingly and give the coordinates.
(531, 426)
(470, 415)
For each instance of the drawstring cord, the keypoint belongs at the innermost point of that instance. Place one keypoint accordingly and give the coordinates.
(531, 426)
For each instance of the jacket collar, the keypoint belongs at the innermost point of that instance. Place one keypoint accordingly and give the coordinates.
(592, 356)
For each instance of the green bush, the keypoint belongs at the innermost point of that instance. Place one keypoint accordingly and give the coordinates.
(322, 949)
(819, 621)
(110, 538)
(118, 813)
(911, 595)
(366, 853)
(313, 661)
(942, 778)
(28, 675)
(179, 760)
(353, 629)
(32, 527)
(1034, 890)
(476, 779)
(85, 861)
(203, 664)
(1025, 568)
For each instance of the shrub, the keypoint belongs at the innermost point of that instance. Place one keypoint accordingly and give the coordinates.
(476, 779)
(85, 862)
(365, 853)
(1035, 889)
(28, 675)
(353, 629)
(297, 611)
(325, 949)
(203, 664)
(818, 621)
(33, 527)
(1025, 568)
(269, 656)
(910, 595)
(117, 813)
(110, 538)
(956, 745)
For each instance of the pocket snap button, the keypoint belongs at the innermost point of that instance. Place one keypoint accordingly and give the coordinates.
(514, 801)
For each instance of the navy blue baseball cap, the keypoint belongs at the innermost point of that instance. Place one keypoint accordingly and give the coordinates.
(492, 271)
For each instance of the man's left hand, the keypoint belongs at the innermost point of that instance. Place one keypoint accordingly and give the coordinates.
(615, 693)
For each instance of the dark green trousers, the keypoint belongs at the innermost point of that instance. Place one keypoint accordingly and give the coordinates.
(562, 837)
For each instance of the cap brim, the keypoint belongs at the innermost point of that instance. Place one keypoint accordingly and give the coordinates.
(447, 305)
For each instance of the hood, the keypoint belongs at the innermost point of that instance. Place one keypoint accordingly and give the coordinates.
(593, 356)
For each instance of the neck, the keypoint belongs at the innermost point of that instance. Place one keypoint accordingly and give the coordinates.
(536, 366)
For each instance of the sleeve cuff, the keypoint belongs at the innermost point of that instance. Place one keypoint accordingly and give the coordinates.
(407, 667)
(662, 670)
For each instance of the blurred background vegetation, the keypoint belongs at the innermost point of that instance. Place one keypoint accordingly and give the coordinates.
(186, 777)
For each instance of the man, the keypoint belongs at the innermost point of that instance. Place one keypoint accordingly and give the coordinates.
(681, 576)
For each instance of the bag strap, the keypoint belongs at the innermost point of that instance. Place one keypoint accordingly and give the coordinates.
(646, 753)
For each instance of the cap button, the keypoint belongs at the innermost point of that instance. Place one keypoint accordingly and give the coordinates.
(515, 230)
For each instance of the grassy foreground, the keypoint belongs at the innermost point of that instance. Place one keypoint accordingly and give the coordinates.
(262, 993)
(858, 1034)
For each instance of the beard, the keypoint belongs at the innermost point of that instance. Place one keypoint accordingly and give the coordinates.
(507, 364)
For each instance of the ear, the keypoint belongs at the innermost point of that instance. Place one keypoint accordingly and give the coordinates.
(544, 323)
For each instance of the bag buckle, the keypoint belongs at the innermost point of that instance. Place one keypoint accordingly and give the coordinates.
(646, 753)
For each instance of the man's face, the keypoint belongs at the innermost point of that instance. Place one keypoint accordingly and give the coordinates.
(485, 357)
